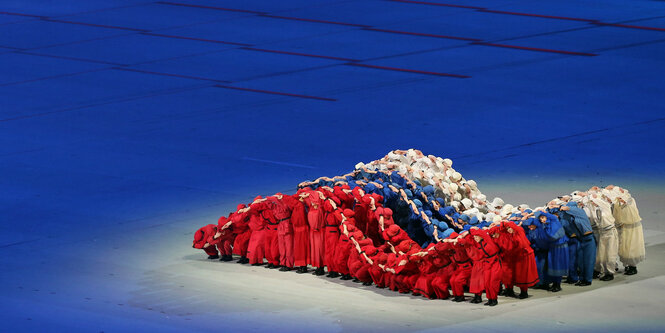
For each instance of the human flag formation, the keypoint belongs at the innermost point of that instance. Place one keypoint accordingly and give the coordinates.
(410, 223)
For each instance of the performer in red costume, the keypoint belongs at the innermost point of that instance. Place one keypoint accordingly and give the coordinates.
(460, 277)
(489, 259)
(367, 258)
(406, 272)
(477, 278)
(518, 262)
(201, 237)
(356, 260)
(333, 219)
(242, 233)
(300, 232)
(384, 217)
(344, 244)
(255, 250)
(428, 271)
(372, 231)
(315, 219)
(282, 211)
(389, 275)
(377, 271)
(360, 209)
(505, 245)
(223, 238)
(446, 267)
(270, 240)
(343, 193)
(395, 235)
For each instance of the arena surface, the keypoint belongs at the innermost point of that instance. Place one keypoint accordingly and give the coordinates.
(126, 124)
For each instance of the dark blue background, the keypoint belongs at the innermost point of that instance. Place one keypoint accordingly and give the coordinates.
(116, 113)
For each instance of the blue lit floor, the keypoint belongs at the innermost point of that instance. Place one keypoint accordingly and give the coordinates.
(126, 124)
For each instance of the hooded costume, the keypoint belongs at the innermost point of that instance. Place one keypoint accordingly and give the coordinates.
(282, 210)
(551, 236)
(271, 242)
(486, 270)
(225, 241)
(242, 231)
(586, 255)
(333, 219)
(406, 271)
(445, 267)
(202, 236)
(372, 224)
(518, 259)
(344, 244)
(256, 248)
(631, 236)
(607, 252)
(316, 222)
(462, 274)
(427, 270)
(300, 232)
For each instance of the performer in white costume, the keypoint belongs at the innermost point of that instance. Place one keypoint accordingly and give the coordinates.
(608, 237)
(631, 236)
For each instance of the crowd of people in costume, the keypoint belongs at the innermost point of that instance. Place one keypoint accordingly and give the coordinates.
(412, 224)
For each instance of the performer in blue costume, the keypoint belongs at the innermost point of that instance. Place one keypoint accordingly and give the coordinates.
(428, 228)
(574, 253)
(557, 256)
(550, 245)
(414, 229)
(586, 258)
(540, 245)
(462, 223)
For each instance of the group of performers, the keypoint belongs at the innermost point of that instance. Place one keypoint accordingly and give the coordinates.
(411, 223)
